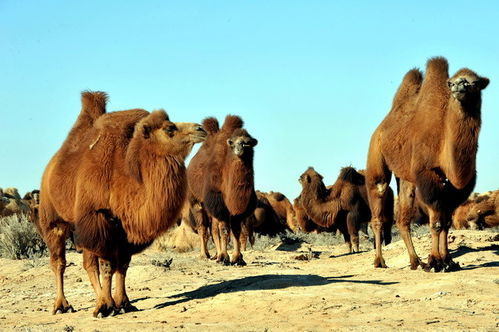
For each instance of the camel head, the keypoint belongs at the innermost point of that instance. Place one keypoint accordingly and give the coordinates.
(241, 143)
(169, 138)
(466, 85)
(312, 180)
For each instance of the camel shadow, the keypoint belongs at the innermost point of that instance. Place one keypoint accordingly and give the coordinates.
(463, 250)
(262, 282)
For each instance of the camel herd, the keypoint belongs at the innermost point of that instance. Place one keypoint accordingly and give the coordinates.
(119, 181)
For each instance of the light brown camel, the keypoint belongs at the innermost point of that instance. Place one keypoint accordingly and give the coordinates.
(221, 181)
(118, 180)
(479, 212)
(429, 141)
(11, 203)
(283, 208)
(344, 206)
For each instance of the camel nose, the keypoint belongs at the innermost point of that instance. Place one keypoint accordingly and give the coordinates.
(200, 129)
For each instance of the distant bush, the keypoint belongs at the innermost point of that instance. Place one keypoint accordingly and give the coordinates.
(19, 238)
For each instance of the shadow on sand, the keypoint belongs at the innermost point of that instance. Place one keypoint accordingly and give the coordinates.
(463, 250)
(263, 282)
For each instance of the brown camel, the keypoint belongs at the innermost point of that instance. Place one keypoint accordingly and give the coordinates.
(265, 219)
(221, 181)
(283, 208)
(344, 206)
(479, 212)
(119, 180)
(304, 222)
(429, 141)
(11, 203)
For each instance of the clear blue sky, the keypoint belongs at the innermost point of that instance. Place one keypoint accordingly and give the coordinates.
(311, 79)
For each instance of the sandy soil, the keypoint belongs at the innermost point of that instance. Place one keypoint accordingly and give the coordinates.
(275, 292)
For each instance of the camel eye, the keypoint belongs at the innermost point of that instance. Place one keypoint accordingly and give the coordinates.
(170, 129)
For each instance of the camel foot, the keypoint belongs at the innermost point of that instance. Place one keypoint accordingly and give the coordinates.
(223, 259)
(434, 264)
(450, 266)
(238, 261)
(379, 262)
(62, 307)
(105, 310)
(126, 307)
(416, 262)
(205, 256)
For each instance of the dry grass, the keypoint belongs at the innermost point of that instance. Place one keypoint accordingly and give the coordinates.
(19, 238)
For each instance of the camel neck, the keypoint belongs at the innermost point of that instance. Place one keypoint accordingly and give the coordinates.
(238, 184)
(462, 127)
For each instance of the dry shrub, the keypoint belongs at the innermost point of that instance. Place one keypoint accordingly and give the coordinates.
(19, 238)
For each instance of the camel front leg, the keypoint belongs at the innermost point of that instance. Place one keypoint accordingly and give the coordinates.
(221, 230)
(435, 259)
(120, 297)
(105, 304)
(237, 256)
(353, 230)
(56, 242)
(448, 264)
(406, 209)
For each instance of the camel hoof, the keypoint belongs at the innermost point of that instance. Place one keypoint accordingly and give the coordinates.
(434, 265)
(451, 266)
(105, 311)
(379, 263)
(224, 260)
(127, 307)
(239, 262)
(63, 310)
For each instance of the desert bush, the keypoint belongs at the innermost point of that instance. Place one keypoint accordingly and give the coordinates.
(19, 238)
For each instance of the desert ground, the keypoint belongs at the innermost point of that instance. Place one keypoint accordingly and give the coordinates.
(284, 287)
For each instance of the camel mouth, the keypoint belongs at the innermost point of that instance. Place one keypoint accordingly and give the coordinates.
(199, 135)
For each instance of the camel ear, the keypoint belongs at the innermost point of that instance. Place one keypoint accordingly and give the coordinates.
(483, 82)
(229, 142)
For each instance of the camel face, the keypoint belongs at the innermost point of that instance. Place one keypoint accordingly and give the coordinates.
(179, 138)
(241, 143)
(466, 85)
(309, 176)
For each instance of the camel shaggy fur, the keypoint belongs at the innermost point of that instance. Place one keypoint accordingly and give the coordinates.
(479, 212)
(429, 141)
(221, 183)
(344, 206)
(119, 181)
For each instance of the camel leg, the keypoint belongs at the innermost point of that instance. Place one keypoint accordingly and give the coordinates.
(202, 224)
(216, 236)
(120, 297)
(237, 256)
(105, 304)
(434, 259)
(91, 265)
(245, 234)
(353, 230)
(56, 242)
(222, 230)
(342, 227)
(448, 264)
(406, 206)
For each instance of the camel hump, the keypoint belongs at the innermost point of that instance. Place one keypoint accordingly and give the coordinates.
(437, 66)
(211, 125)
(232, 122)
(411, 83)
(93, 103)
(350, 174)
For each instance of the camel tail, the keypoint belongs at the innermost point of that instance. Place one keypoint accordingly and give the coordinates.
(93, 104)
(411, 83)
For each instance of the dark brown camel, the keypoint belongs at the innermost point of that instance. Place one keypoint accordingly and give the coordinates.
(119, 180)
(481, 212)
(344, 206)
(283, 208)
(429, 141)
(221, 184)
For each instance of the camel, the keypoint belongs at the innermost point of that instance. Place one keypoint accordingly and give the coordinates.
(304, 222)
(265, 219)
(428, 141)
(11, 203)
(284, 209)
(479, 212)
(343, 207)
(221, 185)
(119, 181)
